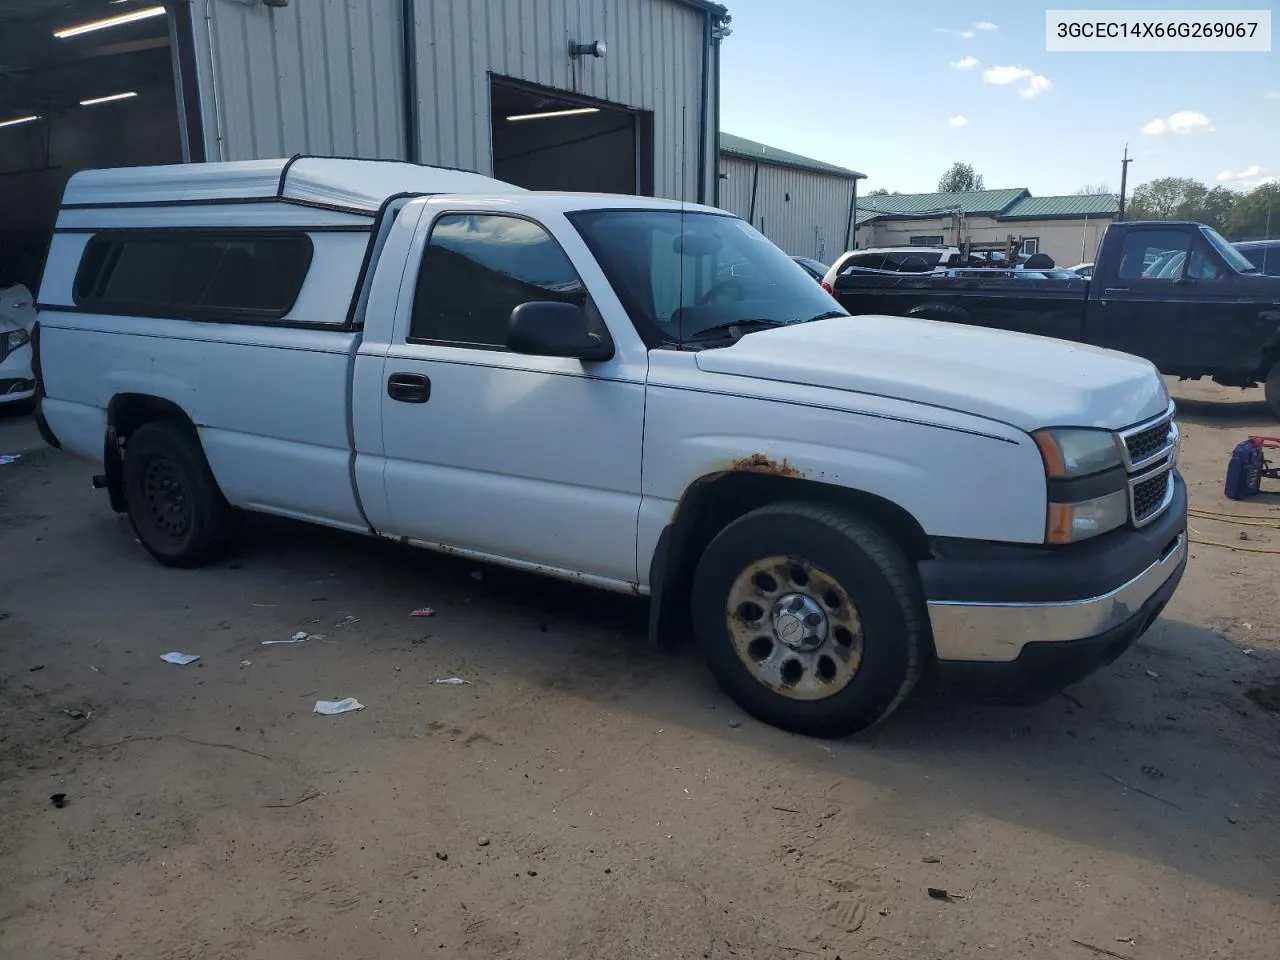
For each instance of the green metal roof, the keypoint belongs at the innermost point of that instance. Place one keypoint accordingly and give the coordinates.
(991, 203)
(749, 149)
(1072, 207)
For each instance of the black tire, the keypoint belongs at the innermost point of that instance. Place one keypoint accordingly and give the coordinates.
(874, 575)
(1272, 389)
(174, 503)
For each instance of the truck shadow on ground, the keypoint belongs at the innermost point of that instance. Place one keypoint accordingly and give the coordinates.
(1163, 756)
(1246, 411)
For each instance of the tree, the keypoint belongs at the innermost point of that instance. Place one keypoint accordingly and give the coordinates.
(1256, 215)
(1094, 190)
(960, 178)
(879, 192)
(1181, 198)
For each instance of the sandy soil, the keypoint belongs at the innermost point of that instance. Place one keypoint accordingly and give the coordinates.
(584, 796)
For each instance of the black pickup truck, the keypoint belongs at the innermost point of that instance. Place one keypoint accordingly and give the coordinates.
(1177, 294)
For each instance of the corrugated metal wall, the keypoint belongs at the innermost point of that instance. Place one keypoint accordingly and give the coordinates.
(317, 76)
(326, 76)
(812, 223)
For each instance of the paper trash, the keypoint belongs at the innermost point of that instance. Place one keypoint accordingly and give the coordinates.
(181, 659)
(300, 637)
(452, 681)
(331, 708)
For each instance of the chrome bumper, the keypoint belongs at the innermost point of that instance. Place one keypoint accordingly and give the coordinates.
(997, 632)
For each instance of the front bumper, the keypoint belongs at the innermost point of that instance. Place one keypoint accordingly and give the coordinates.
(1022, 620)
(17, 383)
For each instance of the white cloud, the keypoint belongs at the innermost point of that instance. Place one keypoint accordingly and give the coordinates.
(1248, 178)
(1184, 121)
(966, 34)
(986, 25)
(1035, 85)
(965, 63)
(959, 120)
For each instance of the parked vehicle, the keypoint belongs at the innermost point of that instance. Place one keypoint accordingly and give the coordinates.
(814, 268)
(560, 383)
(1263, 254)
(912, 259)
(1177, 294)
(17, 317)
(1083, 270)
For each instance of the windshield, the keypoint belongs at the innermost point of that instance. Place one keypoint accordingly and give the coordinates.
(684, 274)
(1235, 259)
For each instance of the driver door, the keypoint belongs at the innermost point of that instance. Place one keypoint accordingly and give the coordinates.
(534, 461)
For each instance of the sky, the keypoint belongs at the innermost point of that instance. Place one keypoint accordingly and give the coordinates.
(900, 90)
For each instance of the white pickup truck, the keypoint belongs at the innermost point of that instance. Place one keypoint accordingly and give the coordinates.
(637, 394)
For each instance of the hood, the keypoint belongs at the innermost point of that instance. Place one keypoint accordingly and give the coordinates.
(1016, 378)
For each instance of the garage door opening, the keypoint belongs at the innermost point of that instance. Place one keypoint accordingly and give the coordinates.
(83, 84)
(546, 139)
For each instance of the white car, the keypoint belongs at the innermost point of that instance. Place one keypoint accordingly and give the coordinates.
(17, 317)
(575, 386)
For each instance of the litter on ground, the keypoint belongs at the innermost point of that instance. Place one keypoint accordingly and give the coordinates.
(300, 637)
(181, 659)
(9, 458)
(423, 612)
(331, 708)
(453, 681)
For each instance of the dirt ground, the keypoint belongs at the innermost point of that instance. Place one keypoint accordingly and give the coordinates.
(584, 796)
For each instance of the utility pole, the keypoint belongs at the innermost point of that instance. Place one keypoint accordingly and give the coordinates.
(1124, 179)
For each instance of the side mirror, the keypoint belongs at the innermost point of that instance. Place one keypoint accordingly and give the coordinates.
(550, 329)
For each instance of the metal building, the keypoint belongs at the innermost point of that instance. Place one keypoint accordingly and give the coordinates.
(598, 95)
(635, 82)
(804, 206)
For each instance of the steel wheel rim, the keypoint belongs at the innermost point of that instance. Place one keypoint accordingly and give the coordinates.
(165, 498)
(794, 628)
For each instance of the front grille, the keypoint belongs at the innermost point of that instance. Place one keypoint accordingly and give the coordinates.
(1150, 454)
(1149, 442)
(1149, 496)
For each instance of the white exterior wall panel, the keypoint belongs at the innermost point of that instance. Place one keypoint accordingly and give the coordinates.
(326, 76)
(812, 223)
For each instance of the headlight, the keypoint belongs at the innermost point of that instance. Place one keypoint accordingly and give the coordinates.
(1073, 522)
(1077, 453)
(15, 339)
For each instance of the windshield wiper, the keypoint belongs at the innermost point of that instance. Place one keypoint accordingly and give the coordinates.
(737, 329)
(829, 315)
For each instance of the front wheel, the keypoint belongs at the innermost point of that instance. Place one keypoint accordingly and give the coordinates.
(174, 503)
(1272, 389)
(810, 618)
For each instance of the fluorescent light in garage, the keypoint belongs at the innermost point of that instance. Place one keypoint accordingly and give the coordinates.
(110, 99)
(554, 113)
(117, 21)
(15, 122)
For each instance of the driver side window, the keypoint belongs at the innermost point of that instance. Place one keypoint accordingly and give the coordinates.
(1202, 265)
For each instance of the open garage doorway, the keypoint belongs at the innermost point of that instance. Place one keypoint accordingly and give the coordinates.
(546, 139)
(83, 84)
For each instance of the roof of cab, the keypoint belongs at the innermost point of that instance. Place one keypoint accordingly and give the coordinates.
(360, 186)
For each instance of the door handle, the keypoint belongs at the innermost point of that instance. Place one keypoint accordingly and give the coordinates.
(409, 387)
(1109, 291)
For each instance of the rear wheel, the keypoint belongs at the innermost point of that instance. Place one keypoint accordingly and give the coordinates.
(810, 618)
(1272, 388)
(174, 502)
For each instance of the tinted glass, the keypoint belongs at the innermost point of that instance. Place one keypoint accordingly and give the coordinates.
(1235, 259)
(864, 261)
(912, 262)
(209, 275)
(1148, 253)
(682, 274)
(478, 268)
